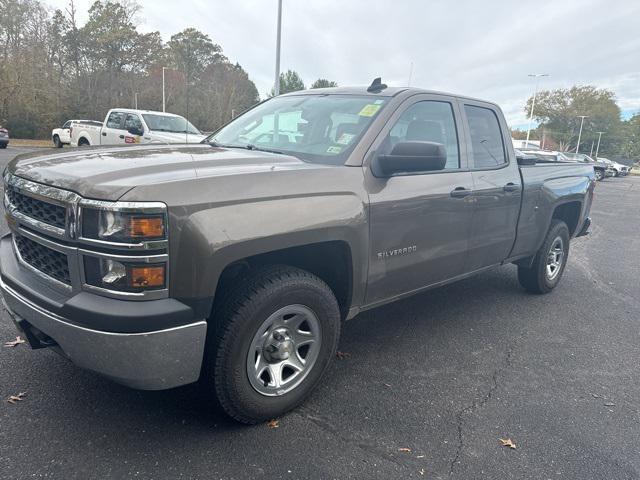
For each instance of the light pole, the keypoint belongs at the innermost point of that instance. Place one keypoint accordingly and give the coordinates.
(163, 104)
(581, 117)
(533, 103)
(276, 87)
(135, 100)
(598, 147)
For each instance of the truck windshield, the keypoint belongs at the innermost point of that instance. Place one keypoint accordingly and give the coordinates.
(169, 123)
(315, 128)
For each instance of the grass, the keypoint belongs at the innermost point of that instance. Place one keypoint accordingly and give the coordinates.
(17, 142)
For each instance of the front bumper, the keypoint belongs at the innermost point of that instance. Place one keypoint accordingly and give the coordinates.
(148, 361)
(109, 336)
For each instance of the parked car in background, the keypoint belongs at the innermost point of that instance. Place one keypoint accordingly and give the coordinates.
(236, 262)
(4, 137)
(62, 136)
(124, 126)
(618, 169)
(599, 168)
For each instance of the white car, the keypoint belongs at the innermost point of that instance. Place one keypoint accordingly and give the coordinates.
(127, 126)
(619, 170)
(62, 136)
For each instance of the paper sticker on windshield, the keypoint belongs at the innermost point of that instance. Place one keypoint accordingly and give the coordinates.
(334, 149)
(345, 138)
(369, 110)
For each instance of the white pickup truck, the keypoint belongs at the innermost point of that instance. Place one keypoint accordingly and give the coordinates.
(62, 136)
(126, 126)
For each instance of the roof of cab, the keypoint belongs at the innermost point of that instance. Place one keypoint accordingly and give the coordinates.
(386, 92)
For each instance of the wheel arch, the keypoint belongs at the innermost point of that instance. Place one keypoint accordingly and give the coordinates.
(331, 261)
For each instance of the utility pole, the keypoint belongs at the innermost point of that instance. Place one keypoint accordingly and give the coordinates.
(533, 103)
(592, 144)
(276, 87)
(163, 104)
(581, 117)
(410, 74)
(135, 100)
(598, 147)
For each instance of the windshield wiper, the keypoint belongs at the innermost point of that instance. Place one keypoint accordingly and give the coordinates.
(249, 146)
(268, 150)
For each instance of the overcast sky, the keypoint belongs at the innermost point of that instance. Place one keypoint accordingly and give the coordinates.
(483, 49)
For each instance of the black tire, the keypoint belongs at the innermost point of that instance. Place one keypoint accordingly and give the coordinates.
(83, 142)
(3, 145)
(599, 174)
(537, 279)
(236, 322)
(57, 142)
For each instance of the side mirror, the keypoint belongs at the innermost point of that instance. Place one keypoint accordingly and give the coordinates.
(135, 131)
(410, 157)
(524, 159)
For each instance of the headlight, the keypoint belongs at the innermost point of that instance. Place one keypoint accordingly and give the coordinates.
(124, 276)
(123, 227)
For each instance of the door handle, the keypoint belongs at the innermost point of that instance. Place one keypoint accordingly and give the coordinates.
(104, 134)
(121, 136)
(460, 192)
(511, 187)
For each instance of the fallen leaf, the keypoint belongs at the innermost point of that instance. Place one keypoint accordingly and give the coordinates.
(387, 385)
(342, 355)
(13, 399)
(404, 449)
(507, 442)
(421, 471)
(609, 404)
(14, 343)
(273, 423)
(595, 395)
(419, 456)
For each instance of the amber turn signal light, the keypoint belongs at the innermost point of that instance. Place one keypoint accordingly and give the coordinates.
(144, 277)
(146, 227)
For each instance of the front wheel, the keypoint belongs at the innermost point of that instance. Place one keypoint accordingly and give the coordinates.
(549, 262)
(275, 336)
(57, 142)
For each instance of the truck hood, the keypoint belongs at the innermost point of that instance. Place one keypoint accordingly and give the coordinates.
(109, 173)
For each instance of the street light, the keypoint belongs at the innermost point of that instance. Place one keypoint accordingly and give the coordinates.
(533, 103)
(581, 117)
(598, 147)
(276, 87)
(163, 104)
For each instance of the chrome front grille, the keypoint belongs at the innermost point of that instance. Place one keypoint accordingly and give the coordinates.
(40, 210)
(44, 259)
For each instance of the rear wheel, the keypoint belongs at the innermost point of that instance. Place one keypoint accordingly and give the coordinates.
(275, 335)
(57, 142)
(549, 262)
(599, 174)
(3, 145)
(83, 142)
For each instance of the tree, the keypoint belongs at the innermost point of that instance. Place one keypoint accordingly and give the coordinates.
(558, 112)
(192, 51)
(290, 81)
(323, 83)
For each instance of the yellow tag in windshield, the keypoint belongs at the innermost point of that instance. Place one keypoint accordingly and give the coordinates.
(369, 110)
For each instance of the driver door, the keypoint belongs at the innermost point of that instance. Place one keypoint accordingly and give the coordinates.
(419, 223)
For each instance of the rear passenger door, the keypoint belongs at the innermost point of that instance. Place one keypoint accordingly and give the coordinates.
(113, 133)
(497, 186)
(420, 222)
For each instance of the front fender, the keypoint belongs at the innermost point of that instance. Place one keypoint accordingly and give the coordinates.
(213, 238)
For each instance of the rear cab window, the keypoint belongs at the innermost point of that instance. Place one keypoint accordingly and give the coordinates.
(115, 120)
(487, 145)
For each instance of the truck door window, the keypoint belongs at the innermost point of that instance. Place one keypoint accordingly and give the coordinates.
(428, 121)
(67, 125)
(115, 120)
(486, 137)
(132, 121)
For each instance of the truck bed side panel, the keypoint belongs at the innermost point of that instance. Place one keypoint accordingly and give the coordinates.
(545, 186)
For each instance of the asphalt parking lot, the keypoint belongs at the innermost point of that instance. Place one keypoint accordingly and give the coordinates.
(428, 387)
